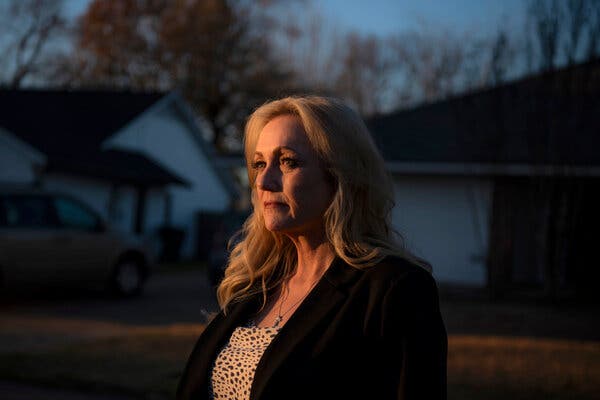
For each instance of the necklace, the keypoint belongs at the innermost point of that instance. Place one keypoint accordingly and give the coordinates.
(280, 315)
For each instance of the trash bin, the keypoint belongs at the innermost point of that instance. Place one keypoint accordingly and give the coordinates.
(171, 239)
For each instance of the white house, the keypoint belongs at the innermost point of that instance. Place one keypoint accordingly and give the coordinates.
(446, 221)
(497, 187)
(19, 162)
(138, 159)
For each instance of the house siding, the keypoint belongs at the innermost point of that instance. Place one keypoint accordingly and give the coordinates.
(14, 167)
(163, 136)
(121, 208)
(445, 220)
(17, 160)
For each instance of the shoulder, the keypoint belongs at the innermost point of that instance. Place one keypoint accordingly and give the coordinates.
(409, 297)
(393, 271)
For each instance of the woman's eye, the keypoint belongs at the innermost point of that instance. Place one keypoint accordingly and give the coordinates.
(258, 164)
(289, 162)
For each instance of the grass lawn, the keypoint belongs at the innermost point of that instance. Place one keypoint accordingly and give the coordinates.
(479, 367)
(491, 367)
(144, 364)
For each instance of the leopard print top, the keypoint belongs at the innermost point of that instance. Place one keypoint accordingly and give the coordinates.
(233, 370)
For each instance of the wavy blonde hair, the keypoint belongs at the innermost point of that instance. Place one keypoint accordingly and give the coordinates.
(357, 221)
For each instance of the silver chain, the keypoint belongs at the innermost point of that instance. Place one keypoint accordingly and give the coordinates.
(280, 315)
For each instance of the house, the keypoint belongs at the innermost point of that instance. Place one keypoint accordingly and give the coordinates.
(500, 188)
(138, 159)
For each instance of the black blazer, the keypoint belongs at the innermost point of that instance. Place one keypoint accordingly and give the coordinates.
(375, 333)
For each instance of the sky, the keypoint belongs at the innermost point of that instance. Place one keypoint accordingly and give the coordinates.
(385, 17)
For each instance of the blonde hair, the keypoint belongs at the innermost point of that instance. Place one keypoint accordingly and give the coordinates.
(357, 222)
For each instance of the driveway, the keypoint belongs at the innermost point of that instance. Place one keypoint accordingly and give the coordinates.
(169, 298)
(185, 297)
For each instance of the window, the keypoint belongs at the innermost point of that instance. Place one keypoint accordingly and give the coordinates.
(73, 215)
(26, 211)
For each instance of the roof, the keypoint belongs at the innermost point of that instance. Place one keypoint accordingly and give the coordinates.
(70, 126)
(116, 166)
(549, 119)
(12, 144)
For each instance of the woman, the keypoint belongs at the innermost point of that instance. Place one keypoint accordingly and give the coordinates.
(319, 299)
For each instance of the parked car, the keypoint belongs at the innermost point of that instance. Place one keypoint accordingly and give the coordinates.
(50, 239)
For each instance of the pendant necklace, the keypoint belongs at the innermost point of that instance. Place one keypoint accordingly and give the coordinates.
(280, 315)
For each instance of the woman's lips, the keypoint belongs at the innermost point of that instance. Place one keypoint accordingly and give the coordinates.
(273, 204)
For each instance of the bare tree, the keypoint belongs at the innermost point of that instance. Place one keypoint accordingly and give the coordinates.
(29, 29)
(116, 45)
(312, 48)
(433, 62)
(501, 58)
(378, 74)
(349, 65)
(547, 16)
(365, 72)
(593, 46)
(576, 18)
(207, 49)
(562, 32)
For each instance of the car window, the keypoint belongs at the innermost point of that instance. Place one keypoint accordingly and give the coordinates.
(73, 215)
(26, 211)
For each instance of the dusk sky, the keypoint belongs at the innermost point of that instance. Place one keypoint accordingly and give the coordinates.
(390, 16)
(383, 17)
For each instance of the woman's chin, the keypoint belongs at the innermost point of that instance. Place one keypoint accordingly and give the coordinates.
(275, 226)
(277, 229)
(283, 226)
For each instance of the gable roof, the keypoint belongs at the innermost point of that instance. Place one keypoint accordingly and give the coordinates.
(116, 166)
(70, 126)
(545, 120)
(13, 144)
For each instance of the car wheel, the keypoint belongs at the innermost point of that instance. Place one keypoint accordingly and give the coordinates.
(128, 278)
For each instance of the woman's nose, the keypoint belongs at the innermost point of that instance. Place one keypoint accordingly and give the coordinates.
(268, 179)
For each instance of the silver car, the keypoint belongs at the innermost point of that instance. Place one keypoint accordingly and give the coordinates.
(52, 239)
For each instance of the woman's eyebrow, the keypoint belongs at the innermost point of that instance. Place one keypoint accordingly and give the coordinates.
(277, 150)
(287, 148)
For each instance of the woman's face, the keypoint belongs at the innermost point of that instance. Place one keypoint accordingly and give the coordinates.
(291, 184)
